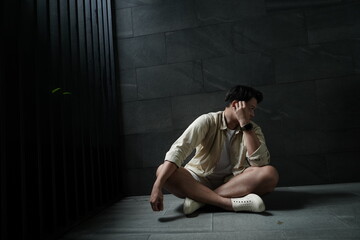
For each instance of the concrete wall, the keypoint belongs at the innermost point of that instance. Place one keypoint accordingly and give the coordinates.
(178, 58)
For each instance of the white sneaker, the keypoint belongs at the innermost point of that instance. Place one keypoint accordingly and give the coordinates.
(250, 203)
(191, 206)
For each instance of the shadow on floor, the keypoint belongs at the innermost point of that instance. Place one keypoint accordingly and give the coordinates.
(280, 200)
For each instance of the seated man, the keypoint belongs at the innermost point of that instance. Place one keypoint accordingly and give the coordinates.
(230, 168)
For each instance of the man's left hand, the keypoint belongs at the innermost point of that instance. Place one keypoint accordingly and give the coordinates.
(242, 112)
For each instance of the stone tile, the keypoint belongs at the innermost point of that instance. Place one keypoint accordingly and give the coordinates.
(128, 85)
(274, 141)
(247, 69)
(300, 212)
(335, 96)
(164, 17)
(199, 43)
(169, 80)
(148, 150)
(328, 24)
(333, 141)
(279, 5)
(186, 109)
(295, 200)
(133, 157)
(135, 205)
(154, 147)
(123, 236)
(346, 234)
(216, 11)
(325, 195)
(356, 53)
(301, 142)
(147, 116)
(312, 62)
(123, 23)
(270, 31)
(277, 221)
(297, 170)
(288, 107)
(332, 23)
(352, 187)
(141, 51)
(109, 236)
(270, 121)
(138, 182)
(154, 223)
(136, 3)
(343, 166)
(349, 214)
(250, 235)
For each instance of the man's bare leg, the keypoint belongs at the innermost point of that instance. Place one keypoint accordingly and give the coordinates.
(258, 180)
(182, 185)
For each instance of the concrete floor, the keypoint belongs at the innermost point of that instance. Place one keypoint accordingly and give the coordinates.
(304, 212)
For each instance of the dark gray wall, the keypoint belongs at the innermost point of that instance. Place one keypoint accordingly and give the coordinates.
(177, 58)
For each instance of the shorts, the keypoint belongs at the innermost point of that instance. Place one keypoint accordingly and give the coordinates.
(210, 183)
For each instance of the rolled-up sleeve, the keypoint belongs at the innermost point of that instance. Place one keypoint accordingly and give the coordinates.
(188, 141)
(261, 156)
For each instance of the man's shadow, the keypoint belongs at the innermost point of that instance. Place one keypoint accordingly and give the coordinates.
(282, 200)
(279, 200)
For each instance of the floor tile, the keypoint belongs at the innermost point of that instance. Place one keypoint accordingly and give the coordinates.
(300, 212)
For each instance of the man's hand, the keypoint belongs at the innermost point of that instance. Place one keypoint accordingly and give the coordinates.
(242, 112)
(163, 173)
(157, 199)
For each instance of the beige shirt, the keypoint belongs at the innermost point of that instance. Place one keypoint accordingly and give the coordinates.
(207, 134)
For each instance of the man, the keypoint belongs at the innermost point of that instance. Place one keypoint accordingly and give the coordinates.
(230, 167)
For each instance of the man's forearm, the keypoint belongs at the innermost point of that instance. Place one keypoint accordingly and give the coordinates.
(168, 168)
(252, 141)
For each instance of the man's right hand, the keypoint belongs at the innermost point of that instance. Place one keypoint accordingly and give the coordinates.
(157, 199)
(163, 173)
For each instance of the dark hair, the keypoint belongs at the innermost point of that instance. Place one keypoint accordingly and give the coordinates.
(242, 93)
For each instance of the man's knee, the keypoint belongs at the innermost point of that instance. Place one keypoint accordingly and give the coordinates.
(271, 176)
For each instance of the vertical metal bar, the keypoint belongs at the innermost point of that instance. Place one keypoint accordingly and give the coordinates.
(108, 39)
(22, 163)
(54, 51)
(13, 133)
(112, 53)
(102, 97)
(98, 137)
(43, 68)
(41, 23)
(3, 147)
(27, 107)
(107, 95)
(65, 104)
(115, 121)
(74, 52)
(83, 114)
(89, 95)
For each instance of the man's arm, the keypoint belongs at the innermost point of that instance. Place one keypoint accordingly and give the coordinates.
(175, 157)
(242, 113)
(156, 198)
(252, 141)
(257, 152)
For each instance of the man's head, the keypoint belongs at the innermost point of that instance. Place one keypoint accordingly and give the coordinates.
(242, 93)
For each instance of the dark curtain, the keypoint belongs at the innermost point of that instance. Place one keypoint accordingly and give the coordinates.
(60, 118)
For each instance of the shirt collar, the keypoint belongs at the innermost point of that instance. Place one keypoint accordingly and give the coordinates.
(223, 125)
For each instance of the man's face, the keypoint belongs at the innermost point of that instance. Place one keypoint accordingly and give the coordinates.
(251, 105)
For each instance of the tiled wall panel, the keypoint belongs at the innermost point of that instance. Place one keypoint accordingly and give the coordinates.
(303, 55)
